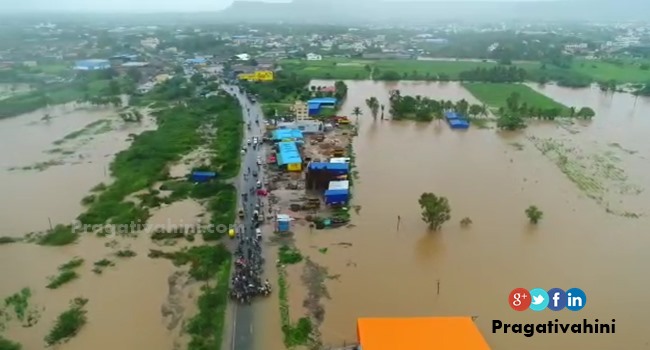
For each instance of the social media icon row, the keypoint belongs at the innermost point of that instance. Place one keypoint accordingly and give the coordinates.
(555, 299)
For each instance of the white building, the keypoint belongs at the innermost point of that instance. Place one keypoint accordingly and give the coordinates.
(243, 57)
(314, 57)
(150, 43)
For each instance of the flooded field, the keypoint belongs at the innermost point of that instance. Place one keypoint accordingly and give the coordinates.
(587, 178)
(50, 163)
(46, 167)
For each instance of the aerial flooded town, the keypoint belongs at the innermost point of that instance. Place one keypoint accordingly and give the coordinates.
(243, 180)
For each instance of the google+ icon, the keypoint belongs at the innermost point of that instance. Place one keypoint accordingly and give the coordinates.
(555, 299)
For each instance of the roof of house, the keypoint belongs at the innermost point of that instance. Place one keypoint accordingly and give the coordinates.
(420, 333)
(339, 192)
(328, 166)
(280, 134)
(323, 100)
(288, 153)
(453, 115)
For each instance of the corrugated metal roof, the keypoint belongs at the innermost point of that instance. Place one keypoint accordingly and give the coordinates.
(329, 166)
(336, 192)
(339, 185)
(288, 153)
(323, 100)
(280, 134)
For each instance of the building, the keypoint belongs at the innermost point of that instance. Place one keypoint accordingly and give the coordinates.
(260, 75)
(320, 174)
(306, 126)
(135, 64)
(289, 156)
(150, 43)
(300, 110)
(196, 61)
(161, 78)
(314, 57)
(92, 64)
(420, 333)
(243, 57)
(279, 135)
(315, 104)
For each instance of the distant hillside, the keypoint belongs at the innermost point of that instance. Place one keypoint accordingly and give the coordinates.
(350, 11)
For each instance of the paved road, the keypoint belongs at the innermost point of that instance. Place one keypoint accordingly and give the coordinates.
(243, 328)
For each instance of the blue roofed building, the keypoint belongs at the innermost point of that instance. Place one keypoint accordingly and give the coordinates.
(92, 64)
(315, 104)
(287, 134)
(320, 174)
(456, 121)
(289, 156)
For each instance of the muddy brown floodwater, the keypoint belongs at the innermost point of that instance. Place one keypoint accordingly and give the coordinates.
(490, 177)
(139, 303)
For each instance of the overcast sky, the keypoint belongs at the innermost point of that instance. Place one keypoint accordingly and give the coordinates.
(134, 5)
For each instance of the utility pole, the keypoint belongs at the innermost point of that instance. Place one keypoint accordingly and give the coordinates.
(50, 221)
(438, 283)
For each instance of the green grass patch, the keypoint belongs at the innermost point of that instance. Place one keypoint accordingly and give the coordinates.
(206, 327)
(101, 265)
(496, 95)
(222, 211)
(345, 69)
(19, 303)
(72, 264)
(69, 323)
(204, 260)
(90, 129)
(62, 278)
(622, 71)
(298, 334)
(351, 69)
(6, 344)
(125, 253)
(58, 236)
(66, 273)
(289, 255)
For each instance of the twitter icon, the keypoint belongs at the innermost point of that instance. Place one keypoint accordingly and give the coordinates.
(538, 299)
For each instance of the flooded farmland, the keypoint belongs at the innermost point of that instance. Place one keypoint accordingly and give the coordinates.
(50, 161)
(588, 178)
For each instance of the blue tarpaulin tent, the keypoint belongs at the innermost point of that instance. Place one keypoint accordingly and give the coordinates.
(456, 121)
(203, 176)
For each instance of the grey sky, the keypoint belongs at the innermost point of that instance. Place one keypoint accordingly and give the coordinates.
(134, 5)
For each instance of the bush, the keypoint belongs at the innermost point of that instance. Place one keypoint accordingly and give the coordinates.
(63, 278)
(68, 323)
(6, 344)
(288, 255)
(60, 235)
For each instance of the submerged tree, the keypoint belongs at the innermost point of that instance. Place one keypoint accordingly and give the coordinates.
(435, 210)
(373, 104)
(534, 214)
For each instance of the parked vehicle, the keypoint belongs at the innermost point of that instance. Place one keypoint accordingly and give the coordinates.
(255, 140)
(259, 184)
(241, 213)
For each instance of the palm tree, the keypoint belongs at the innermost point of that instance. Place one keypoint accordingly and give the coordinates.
(357, 112)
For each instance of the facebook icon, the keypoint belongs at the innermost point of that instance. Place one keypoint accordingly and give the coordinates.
(558, 299)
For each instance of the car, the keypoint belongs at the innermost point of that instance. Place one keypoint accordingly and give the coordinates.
(243, 150)
(255, 140)
(255, 173)
(258, 184)
(259, 161)
(248, 142)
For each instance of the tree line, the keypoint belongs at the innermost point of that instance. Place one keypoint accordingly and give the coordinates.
(513, 115)
(426, 109)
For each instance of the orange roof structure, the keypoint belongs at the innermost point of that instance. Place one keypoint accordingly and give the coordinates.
(420, 333)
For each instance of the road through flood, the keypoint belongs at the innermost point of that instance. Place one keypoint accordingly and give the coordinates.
(586, 239)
